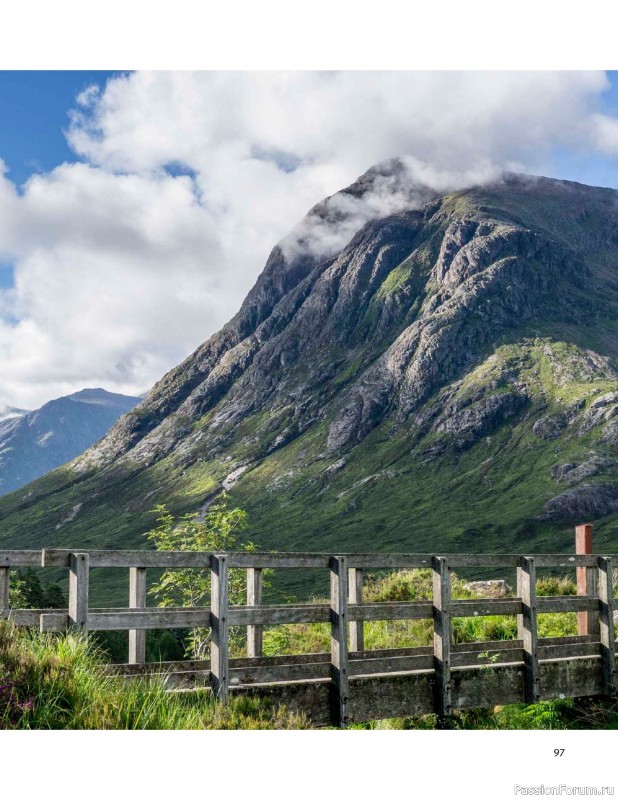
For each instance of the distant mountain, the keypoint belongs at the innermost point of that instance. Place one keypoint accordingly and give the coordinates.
(412, 371)
(8, 412)
(35, 442)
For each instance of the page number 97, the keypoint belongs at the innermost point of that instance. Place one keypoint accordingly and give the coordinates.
(558, 752)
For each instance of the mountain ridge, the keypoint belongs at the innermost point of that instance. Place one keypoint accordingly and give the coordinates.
(431, 380)
(36, 442)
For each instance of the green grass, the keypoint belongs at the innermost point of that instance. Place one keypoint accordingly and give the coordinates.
(59, 682)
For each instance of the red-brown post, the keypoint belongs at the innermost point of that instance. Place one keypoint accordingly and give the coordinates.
(587, 621)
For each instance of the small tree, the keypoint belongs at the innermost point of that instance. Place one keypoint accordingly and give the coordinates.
(215, 532)
(17, 596)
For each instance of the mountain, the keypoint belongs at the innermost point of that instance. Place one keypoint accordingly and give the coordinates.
(7, 412)
(411, 371)
(35, 442)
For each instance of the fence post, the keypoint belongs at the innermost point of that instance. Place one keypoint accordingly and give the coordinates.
(608, 644)
(442, 638)
(527, 584)
(587, 621)
(5, 574)
(79, 577)
(219, 666)
(137, 599)
(520, 617)
(254, 598)
(339, 637)
(357, 628)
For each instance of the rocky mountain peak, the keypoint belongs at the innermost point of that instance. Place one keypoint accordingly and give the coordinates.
(399, 333)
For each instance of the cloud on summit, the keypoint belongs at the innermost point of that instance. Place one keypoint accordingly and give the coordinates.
(129, 257)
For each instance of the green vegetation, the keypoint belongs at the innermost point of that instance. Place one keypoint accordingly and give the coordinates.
(26, 591)
(387, 490)
(61, 681)
(216, 532)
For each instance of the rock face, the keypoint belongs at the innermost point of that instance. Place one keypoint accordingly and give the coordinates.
(408, 366)
(35, 442)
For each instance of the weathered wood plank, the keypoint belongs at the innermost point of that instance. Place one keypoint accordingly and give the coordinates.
(442, 636)
(157, 667)
(339, 638)
(484, 608)
(234, 663)
(132, 558)
(279, 673)
(254, 598)
(378, 666)
(606, 622)
(563, 560)
(53, 621)
(279, 560)
(137, 599)
(201, 560)
(520, 618)
(406, 663)
(568, 639)
(527, 582)
(419, 609)
(149, 619)
(492, 644)
(488, 656)
(553, 651)
(373, 697)
(458, 560)
(574, 677)
(5, 576)
(23, 617)
(393, 652)
(357, 628)
(185, 679)
(79, 565)
(20, 558)
(220, 626)
(278, 615)
(565, 603)
(486, 686)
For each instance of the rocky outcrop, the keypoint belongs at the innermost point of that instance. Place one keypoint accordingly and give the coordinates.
(550, 426)
(494, 589)
(588, 501)
(574, 473)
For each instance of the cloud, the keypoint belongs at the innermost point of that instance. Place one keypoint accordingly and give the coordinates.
(129, 257)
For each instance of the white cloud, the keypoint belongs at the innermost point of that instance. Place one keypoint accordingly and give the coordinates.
(131, 257)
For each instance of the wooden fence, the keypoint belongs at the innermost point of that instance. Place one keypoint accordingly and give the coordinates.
(351, 683)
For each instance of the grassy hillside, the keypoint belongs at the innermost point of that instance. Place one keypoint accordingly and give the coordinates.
(440, 494)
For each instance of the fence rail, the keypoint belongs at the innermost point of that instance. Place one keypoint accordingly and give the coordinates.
(351, 683)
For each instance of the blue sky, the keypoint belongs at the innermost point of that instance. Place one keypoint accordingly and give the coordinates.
(133, 221)
(34, 109)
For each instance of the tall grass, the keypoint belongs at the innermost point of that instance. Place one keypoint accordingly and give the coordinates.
(59, 682)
